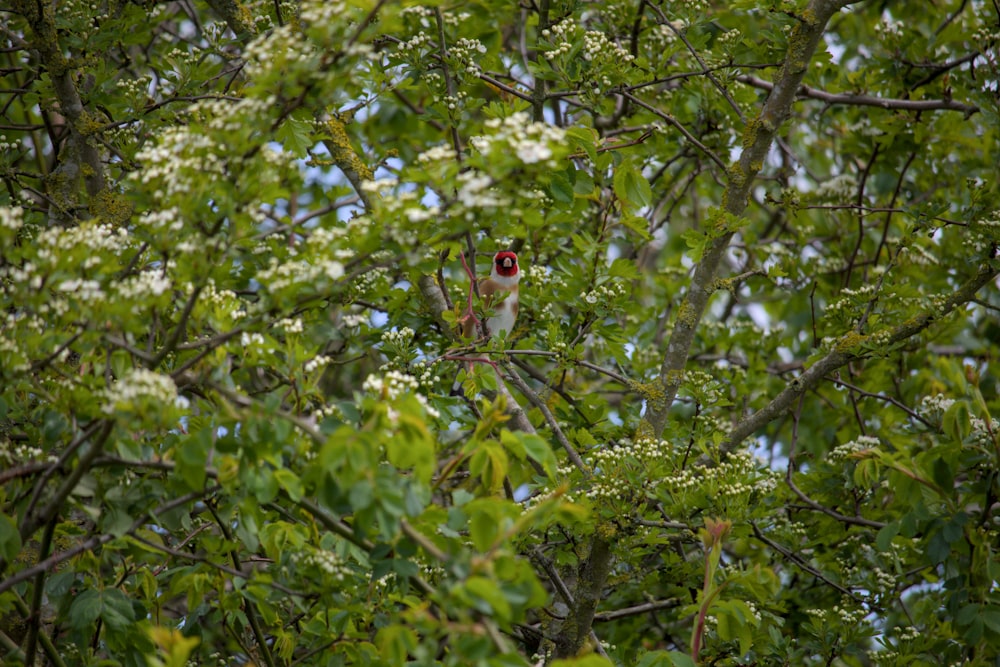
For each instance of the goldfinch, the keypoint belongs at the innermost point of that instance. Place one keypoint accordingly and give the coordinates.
(498, 292)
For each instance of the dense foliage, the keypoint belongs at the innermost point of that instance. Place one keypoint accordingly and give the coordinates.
(745, 414)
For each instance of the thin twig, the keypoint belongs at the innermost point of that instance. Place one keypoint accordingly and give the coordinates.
(800, 562)
(638, 609)
(679, 127)
(550, 419)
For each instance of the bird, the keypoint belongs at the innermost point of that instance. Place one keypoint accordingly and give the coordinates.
(498, 292)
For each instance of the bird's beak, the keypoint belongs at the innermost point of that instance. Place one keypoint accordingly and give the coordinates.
(507, 262)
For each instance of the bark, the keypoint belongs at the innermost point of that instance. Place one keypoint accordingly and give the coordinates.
(576, 629)
(79, 157)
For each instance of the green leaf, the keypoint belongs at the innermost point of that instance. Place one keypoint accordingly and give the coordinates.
(942, 474)
(561, 186)
(396, 643)
(991, 618)
(192, 458)
(696, 242)
(540, 452)
(290, 483)
(10, 538)
(489, 463)
(665, 659)
(117, 611)
(483, 527)
(361, 495)
(86, 609)
(631, 186)
(883, 540)
(956, 421)
(296, 136)
(585, 139)
(489, 591)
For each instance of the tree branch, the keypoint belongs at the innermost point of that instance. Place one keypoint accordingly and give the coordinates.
(644, 608)
(97, 540)
(852, 347)
(32, 521)
(80, 158)
(757, 139)
(590, 586)
(865, 100)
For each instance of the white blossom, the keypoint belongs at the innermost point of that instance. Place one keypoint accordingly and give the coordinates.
(140, 384)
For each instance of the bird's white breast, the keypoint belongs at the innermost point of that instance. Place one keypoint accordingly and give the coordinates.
(503, 316)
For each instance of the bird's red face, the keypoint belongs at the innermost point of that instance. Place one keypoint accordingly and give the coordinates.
(505, 263)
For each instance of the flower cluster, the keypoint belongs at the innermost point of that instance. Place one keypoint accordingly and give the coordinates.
(985, 232)
(329, 564)
(739, 476)
(474, 191)
(531, 142)
(89, 237)
(839, 188)
(861, 563)
(140, 386)
(223, 299)
(613, 467)
(986, 35)
(355, 319)
(253, 342)
(704, 388)
(147, 283)
(391, 385)
(284, 48)
(400, 337)
(851, 449)
(135, 88)
(395, 384)
(181, 160)
(290, 325)
(597, 45)
(364, 284)
(846, 616)
(608, 295)
(983, 434)
(439, 153)
(6, 145)
(889, 29)
(282, 275)
(917, 254)
(539, 498)
(11, 217)
(562, 35)
(167, 219)
(12, 358)
(850, 297)
(316, 363)
(730, 39)
(88, 291)
(465, 50)
(415, 43)
(20, 453)
(187, 160)
(663, 35)
(426, 374)
(397, 345)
